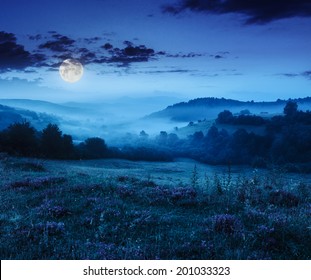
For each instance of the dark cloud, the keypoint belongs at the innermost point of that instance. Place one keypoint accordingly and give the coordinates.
(139, 51)
(182, 55)
(58, 43)
(218, 55)
(305, 74)
(35, 37)
(53, 48)
(107, 46)
(131, 53)
(290, 75)
(256, 11)
(181, 71)
(86, 56)
(63, 47)
(92, 40)
(14, 55)
(7, 37)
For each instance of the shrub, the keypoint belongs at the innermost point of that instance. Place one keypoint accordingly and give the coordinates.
(226, 223)
(283, 198)
(94, 147)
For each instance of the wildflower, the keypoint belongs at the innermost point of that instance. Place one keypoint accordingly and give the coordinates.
(226, 223)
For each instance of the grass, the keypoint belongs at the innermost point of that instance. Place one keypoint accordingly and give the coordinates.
(122, 210)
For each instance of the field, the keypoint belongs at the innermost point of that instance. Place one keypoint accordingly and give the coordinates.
(118, 209)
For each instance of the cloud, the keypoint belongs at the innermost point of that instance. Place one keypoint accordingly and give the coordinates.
(53, 48)
(305, 74)
(14, 56)
(131, 53)
(107, 46)
(255, 11)
(290, 75)
(86, 56)
(35, 37)
(183, 55)
(64, 47)
(92, 40)
(59, 43)
(173, 71)
(18, 82)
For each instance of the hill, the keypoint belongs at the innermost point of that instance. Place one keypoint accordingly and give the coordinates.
(44, 106)
(9, 115)
(209, 107)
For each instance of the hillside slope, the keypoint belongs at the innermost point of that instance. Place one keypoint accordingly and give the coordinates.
(209, 107)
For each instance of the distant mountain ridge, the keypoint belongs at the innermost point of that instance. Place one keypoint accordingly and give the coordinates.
(40, 106)
(209, 107)
(9, 115)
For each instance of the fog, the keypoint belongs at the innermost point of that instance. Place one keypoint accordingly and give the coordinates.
(109, 120)
(119, 120)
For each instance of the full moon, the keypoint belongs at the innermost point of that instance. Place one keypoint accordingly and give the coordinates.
(71, 70)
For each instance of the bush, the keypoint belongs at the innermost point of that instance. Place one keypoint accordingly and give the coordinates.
(226, 223)
(283, 198)
(94, 147)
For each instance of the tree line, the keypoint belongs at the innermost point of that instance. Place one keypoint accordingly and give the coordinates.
(21, 139)
(286, 140)
(24, 140)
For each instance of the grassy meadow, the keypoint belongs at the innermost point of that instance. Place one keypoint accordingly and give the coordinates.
(117, 209)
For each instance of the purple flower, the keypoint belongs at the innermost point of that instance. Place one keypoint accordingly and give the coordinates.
(226, 223)
(283, 198)
(51, 228)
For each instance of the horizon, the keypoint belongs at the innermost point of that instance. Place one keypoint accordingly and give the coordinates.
(126, 98)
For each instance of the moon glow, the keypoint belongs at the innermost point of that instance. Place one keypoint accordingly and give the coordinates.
(71, 70)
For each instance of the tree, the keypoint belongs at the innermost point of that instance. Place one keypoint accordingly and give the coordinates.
(245, 112)
(172, 139)
(143, 134)
(95, 147)
(52, 141)
(68, 147)
(212, 132)
(162, 138)
(20, 138)
(197, 137)
(225, 117)
(290, 108)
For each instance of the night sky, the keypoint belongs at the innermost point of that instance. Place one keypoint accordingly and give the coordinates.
(246, 50)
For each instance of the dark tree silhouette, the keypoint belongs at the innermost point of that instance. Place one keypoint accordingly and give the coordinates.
(52, 141)
(225, 117)
(212, 132)
(143, 134)
(172, 139)
(94, 147)
(68, 147)
(290, 108)
(20, 138)
(162, 138)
